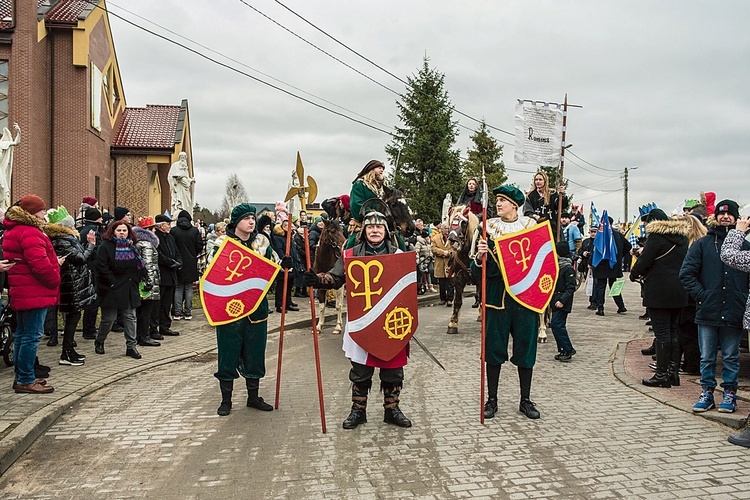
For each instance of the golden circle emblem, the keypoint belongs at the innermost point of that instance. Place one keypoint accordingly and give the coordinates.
(235, 308)
(546, 283)
(398, 323)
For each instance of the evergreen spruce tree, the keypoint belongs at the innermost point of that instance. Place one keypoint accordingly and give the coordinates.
(486, 152)
(427, 166)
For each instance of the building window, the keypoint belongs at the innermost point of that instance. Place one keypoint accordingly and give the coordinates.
(3, 94)
(96, 97)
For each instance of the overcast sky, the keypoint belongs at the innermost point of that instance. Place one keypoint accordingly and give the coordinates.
(663, 87)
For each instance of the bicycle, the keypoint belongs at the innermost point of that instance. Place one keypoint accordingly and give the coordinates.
(6, 335)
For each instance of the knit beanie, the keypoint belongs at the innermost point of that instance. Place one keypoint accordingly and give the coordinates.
(32, 203)
(92, 214)
(563, 249)
(240, 212)
(344, 199)
(728, 206)
(120, 213)
(89, 200)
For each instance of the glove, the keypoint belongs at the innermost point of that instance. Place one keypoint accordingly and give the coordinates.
(286, 262)
(311, 279)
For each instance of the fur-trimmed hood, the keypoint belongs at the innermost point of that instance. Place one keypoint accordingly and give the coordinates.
(146, 235)
(58, 231)
(668, 227)
(18, 216)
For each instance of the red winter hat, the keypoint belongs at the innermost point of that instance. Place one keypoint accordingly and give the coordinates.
(32, 203)
(89, 200)
(344, 199)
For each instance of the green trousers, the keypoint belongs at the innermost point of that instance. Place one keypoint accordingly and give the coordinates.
(516, 321)
(242, 349)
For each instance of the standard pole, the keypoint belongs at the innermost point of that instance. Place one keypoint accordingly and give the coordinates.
(311, 292)
(625, 183)
(562, 165)
(283, 314)
(482, 358)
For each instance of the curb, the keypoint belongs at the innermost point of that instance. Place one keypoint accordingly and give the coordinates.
(617, 369)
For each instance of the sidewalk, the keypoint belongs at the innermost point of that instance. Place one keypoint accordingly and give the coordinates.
(23, 417)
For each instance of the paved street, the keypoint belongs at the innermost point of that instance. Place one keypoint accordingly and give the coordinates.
(156, 433)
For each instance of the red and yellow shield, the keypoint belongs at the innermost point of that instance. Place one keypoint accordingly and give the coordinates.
(381, 302)
(528, 261)
(235, 282)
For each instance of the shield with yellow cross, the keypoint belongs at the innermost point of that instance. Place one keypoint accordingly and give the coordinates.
(235, 282)
(381, 301)
(528, 261)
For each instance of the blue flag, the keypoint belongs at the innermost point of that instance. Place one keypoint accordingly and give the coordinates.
(604, 244)
(593, 216)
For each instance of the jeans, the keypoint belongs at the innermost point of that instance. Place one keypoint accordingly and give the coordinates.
(183, 293)
(128, 322)
(709, 339)
(28, 332)
(560, 331)
(664, 321)
(71, 322)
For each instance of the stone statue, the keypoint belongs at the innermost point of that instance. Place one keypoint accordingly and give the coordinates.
(447, 203)
(7, 146)
(181, 186)
(294, 204)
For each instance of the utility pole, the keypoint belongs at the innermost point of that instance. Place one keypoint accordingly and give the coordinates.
(625, 185)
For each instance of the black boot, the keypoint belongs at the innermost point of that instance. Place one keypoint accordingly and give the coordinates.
(661, 377)
(673, 369)
(650, 351)
(527, 407)
(99, 347)
(493, 379)
(393, 414)
(226, 387)
(743, 438)
(600, 311)
(358, 415)
(253, 400)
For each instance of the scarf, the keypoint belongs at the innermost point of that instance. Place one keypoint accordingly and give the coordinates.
(126, 255)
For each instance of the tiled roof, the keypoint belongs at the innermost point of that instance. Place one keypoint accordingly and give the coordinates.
(69, 11)
(151, 127)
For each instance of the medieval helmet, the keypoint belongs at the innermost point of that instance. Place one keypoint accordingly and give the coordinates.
(372, 218)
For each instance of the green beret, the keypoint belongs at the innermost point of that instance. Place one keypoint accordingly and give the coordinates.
(240, 212)
(510, 193)
(317, 219)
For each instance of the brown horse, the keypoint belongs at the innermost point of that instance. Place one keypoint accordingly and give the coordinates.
(463, 225)
(329, 249)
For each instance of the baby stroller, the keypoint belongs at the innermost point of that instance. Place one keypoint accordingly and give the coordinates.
(423, 271)
(6, 335)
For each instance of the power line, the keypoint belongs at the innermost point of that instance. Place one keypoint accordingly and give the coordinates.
(595, 166)
(231, 68)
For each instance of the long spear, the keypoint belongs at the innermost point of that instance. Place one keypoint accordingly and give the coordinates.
(484, 297)
(311, 292)
(283, 313)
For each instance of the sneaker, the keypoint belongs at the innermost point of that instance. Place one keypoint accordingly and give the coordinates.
(67, 359)
(188, 317)
(729, 403)
(177, 317)
(705, 402)
(564, 356)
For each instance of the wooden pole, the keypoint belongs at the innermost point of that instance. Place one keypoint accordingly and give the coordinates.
(562, 164)
(283, 313)
(311, 292)
(482, 357)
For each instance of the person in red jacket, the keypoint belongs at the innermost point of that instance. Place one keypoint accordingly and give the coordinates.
(34, 283)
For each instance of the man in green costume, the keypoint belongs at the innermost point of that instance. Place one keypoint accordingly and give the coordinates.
(505, 316)
(242, 343)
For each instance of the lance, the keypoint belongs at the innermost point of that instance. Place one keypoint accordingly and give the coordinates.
(484, 299)
(427, 351)
(311, 292)
(283, 314)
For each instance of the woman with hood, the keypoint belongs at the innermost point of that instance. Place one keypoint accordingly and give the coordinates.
(148, 311)
(77, 290)
(472, 197)
(663, 294)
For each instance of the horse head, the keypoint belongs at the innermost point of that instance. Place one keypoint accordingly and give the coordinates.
(400, 213)
(463, 223)
(329, 247)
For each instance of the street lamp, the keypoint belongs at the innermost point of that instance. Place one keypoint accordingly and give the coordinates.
(625, 185)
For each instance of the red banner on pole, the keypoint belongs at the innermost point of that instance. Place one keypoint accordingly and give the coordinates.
(529, 265)
(381, 302)
(235, 282)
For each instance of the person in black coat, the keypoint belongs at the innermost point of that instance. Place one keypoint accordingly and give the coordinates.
(189, 245)
(92, 221)
(562, 302)
(603, 274)
(278, 243)
(120, 270)
(170, 261)
(585, 253)
(77, 289)
(663, 294)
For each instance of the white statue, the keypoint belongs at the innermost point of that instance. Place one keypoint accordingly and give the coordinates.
(294, 204)
(7, 146)
(181, 186)
(447, 204)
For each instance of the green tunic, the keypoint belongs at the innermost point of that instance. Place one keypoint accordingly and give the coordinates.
(360, 193)
(242, 343)
(506, 317)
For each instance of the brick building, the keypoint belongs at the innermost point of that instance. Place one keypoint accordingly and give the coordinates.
(59, 80)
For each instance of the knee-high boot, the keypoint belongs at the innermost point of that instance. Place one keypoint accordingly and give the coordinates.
(673, 369)
(661, 377)
(226, 397)
(253, 400)
(493, 379)
(358, 415)
(393, 414)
